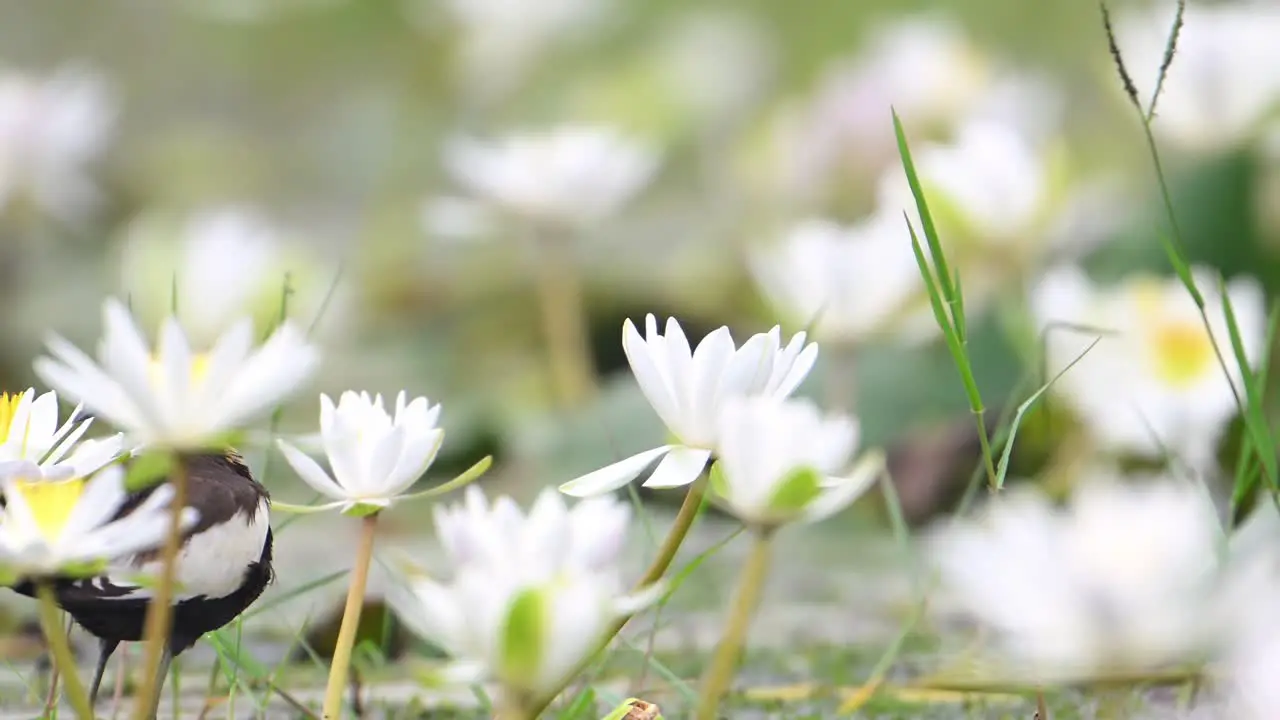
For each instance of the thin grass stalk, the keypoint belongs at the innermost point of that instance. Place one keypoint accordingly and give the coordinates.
(159, 618)
(1254, 418)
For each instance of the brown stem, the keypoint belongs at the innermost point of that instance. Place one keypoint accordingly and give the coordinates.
(564, 322)
(350, 621)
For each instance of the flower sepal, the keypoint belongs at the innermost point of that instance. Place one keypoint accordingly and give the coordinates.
(465, 478)
(82, 569)
(796, 491)
(360, 510)
(147, 469)
(524, 634)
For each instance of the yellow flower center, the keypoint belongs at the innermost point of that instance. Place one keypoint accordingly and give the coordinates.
(51, 503)
(1181, 350)
(199, 369)
(8, 408)
(1182, 353)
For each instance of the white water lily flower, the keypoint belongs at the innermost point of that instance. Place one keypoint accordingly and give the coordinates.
(502, 41)
(1221, 86)
(781, 461)
(54, 526)
(30, 434)
(375, 455)
(531, 595)
(1152, 384)
(228, 262)
(848, 283)
(687, 388)
(575, 174)
(176, 397)
(50, 130)
(1121, 581)
(1250, 652)
(990, 187)
(924, 67)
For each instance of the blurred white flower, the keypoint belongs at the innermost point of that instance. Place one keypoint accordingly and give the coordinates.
(849, 284)
(531, 595)
(574, 174)
(717, 60)
(450, 218)
(254, 11)
(30, 435)
(781, 461)
(51, 128)
(61, 526)
(228, 262)
(988, 188)
(688, 387)
(501, 42)
(1222, 83)
(1153, 383)
(1121, 580)
(175, 397)
(1248, 653)
(375, 455)
(924, 67)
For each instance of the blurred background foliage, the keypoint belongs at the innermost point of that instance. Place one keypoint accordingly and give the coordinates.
(329, 116)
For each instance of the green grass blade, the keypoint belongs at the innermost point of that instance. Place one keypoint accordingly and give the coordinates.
(1003, 469)
(945, 276)
(1255, 418)
(1247, 470)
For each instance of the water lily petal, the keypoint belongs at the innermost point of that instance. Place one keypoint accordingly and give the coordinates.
(680, 467)
(612, 477)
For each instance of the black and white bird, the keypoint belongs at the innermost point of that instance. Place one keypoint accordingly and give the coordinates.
(223, 566)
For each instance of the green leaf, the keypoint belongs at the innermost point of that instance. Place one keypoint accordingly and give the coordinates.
(796, 491)
(523, 635)
(148, 469)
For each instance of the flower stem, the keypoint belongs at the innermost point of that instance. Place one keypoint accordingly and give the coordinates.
(564, 322)
(158, 624)
(64, 663)
(670, 546)
(511, 708)
(719, 674)
(675, 537)
(350, 622)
